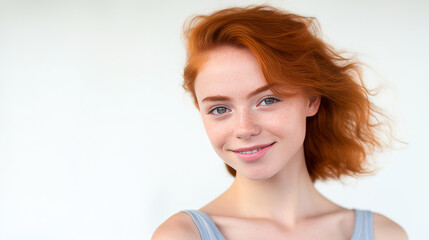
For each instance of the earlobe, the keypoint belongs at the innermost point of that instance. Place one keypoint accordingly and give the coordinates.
(313, 105)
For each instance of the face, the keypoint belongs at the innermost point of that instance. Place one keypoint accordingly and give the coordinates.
(253, 130)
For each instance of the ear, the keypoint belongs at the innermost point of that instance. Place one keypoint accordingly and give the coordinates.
(313, 104)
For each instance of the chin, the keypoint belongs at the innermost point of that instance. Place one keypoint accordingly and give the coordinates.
(257, 174)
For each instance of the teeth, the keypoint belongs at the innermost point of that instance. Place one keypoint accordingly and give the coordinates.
(250, 152)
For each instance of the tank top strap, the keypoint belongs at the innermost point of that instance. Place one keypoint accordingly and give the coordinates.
(363, 229)
(205, 225)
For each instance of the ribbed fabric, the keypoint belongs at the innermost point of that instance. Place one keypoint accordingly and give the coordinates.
(363, 225)
(208, 230)
(205, 224)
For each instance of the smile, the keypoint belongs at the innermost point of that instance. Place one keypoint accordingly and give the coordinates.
(249, 155)
(250, 152)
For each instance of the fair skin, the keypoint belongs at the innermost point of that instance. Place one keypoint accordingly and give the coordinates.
(272, 197)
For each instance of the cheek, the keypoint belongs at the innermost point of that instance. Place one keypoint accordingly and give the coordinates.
(287, 124)
(215, 132)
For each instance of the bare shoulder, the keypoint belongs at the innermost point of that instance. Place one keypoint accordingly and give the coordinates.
(385, 228)
(179, 226)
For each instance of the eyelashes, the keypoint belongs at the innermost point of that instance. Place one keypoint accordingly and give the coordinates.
(219, 110)
(272, 100)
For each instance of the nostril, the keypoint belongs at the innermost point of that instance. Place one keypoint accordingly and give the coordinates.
(246, 133)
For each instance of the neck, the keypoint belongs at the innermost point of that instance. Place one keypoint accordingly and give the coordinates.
(287, 197)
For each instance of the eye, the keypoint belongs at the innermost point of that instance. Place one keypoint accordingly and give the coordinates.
(268, 101)
(218, 110)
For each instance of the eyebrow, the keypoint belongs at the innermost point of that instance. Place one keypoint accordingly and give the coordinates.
(225, 98)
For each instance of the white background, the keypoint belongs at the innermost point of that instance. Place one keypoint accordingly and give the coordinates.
(99, 141)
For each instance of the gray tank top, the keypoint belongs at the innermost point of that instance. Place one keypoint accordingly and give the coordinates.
(208, 230)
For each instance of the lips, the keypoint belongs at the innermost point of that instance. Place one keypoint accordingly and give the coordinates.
(253, 156)
(252, 148)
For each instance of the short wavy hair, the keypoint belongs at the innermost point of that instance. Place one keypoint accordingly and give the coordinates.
(292, 56)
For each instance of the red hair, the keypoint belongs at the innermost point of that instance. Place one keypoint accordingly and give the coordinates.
(345, 129)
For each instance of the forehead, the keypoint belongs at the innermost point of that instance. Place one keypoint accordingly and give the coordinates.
(229, 71)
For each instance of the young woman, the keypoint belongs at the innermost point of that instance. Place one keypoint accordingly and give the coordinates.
(283, 110)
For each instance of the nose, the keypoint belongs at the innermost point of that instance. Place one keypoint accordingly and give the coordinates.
(245, 125)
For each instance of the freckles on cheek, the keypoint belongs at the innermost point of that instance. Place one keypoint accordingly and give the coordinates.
(287, 124)
(214, 132)
(279, 121)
